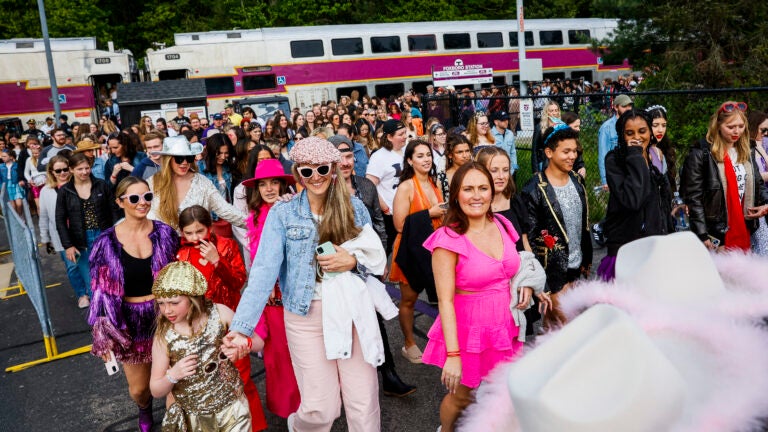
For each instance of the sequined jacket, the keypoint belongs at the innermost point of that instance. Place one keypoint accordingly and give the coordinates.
(548, 236)
(226, 279)
(106, 317)
(286, 253)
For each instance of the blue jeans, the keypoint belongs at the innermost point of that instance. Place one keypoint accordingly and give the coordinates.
(74, 276)
(82, 264)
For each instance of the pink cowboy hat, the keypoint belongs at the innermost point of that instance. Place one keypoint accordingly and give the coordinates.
(269, 168)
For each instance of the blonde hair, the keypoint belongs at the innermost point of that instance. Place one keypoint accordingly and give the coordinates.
(545, 123)
(162, 185)
(51, 180)
(472, 129)
(198, 305)
(338, 223)
(718, 143)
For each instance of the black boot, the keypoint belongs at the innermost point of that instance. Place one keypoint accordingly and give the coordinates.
(392, 385)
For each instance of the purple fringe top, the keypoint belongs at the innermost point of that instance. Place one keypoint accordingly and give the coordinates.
(106, 317)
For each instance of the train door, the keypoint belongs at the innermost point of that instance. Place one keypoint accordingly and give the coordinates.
(308, 96)
(104, 95)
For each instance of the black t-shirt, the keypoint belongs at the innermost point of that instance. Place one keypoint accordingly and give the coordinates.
(137, 275)
(518, 215)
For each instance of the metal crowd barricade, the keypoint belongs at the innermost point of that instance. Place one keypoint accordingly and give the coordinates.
(23, 244)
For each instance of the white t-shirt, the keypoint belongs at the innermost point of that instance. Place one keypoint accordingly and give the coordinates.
(386, 165)
(741, 173)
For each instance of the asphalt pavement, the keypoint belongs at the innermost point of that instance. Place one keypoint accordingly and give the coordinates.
(76, 394)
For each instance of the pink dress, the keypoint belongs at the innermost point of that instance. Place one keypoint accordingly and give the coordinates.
(486, 332)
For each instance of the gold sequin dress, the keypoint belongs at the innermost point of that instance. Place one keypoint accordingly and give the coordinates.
(212, 399)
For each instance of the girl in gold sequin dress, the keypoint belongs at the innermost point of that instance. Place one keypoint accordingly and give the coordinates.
(188, 359)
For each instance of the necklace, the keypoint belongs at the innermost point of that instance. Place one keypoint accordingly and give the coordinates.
(479, 231)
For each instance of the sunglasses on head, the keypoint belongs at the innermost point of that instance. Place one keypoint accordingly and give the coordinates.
(181, 159)
(135, 198)
(732, 106)
(322, 170)
(61, 170)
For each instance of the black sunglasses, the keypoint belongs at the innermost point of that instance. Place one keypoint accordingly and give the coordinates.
(181, 159)
(135, 198)
(322, 170)
(61, 170)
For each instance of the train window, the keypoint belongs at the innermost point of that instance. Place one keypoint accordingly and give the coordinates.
(22, 45)
(387, 90)
(576, 37)
(307, 48)
(422, 43)
(347, 91)
(554, 76)
(385, 44)
(347, 46)
(551, 37)
(456, 41)
(420, 86)
(219, 85)
(489, 40)
(259, 82)
(581, 75)
(234, 36)
(195, 37)
(174, 74)
(513, 39)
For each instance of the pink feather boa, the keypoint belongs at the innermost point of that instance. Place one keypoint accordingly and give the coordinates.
(730, 389)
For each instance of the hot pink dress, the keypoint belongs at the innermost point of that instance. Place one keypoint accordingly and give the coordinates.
(486, 332)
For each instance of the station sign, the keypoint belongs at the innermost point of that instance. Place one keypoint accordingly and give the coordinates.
(461, 74)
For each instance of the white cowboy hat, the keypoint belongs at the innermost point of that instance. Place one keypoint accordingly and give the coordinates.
(673, 268)
(601, 372)
(631, 371)
(179, 146)
(678, 270)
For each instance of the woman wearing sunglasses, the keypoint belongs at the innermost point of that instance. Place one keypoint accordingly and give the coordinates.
(57, 175)
(721, 183)
(83, 210)
(178, 185)
(125, 261)
(310, 241)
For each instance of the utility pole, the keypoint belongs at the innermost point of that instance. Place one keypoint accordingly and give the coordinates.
(520, 46)
(49, 59)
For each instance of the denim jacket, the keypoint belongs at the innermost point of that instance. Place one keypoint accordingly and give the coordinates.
(287, 254)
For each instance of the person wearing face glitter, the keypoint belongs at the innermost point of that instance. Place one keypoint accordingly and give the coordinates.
(189, 360)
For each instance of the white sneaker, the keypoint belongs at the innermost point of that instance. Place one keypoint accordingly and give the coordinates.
(83, 302)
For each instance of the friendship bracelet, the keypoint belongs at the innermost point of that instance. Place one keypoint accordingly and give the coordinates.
(170, 378)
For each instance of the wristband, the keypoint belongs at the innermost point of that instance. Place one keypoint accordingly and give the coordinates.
(453, 354)
(170, 378)
(250, 343)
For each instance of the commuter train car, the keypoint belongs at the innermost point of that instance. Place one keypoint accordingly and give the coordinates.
(81, 71)
(311, 64)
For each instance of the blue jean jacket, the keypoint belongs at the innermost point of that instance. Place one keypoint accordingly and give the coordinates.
(286, 253)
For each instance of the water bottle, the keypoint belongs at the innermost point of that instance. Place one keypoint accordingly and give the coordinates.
(681, 218)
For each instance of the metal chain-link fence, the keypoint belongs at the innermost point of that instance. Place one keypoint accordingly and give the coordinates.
(688, 114)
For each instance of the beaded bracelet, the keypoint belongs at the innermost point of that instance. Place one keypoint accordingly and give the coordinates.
(170, 378)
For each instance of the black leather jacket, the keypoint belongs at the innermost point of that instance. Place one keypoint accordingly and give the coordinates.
(365, 190)
(546, 218)
(70, 221)
(702, 190)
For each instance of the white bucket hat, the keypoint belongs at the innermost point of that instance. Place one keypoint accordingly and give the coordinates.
(613, 370)
(179, 146)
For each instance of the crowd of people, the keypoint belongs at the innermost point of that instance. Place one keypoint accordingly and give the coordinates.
(193, 248)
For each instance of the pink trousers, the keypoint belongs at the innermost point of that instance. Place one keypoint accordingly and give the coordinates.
(323, 384)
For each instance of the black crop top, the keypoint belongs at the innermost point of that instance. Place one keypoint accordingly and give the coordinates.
(137, 275)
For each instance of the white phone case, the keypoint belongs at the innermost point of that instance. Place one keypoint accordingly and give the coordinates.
(111, 365)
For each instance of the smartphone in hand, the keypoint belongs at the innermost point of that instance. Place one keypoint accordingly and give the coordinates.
(111, 365)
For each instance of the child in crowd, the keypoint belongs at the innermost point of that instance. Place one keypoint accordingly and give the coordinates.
(220, 262)
(10, 176)
(188, 360)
